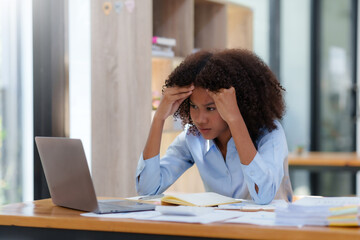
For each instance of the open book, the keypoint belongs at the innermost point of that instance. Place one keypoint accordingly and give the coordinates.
(205, 199)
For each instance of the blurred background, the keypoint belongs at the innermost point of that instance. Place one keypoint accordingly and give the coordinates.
(88, 69)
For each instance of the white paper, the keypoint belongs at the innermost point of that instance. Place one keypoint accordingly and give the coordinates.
(249, 205)
(258, 218)
(183, 210)
(327, 201)
(215, 216)
(141, 214)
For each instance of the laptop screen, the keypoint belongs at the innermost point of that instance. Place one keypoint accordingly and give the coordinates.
(67, 173)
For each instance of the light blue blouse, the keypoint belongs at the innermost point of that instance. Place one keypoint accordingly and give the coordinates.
(229, 177)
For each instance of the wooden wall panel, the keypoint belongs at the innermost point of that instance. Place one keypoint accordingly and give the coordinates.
(121, 93)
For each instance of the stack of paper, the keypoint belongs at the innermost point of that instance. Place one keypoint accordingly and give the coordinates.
(318, 211)
(344, 216)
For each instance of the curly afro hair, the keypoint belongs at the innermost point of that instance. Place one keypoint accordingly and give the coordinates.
(258, 92)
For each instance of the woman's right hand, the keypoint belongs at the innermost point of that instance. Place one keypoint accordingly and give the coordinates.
(171, 100)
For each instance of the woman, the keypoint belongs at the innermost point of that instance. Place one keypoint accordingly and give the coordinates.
(229, 103)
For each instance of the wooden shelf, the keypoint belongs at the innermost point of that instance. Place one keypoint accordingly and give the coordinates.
(161, 68)
(239, 27)
(203, 24)
(174, 19)
(210, 25)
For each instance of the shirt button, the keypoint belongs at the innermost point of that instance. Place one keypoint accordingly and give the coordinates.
(252, 173)
(227, 172)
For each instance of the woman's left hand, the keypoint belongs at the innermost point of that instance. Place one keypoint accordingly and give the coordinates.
(226, 104)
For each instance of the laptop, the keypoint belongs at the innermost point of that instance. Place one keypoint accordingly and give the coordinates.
(69, 181)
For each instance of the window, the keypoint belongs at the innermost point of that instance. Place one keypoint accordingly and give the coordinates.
(336, 53)
(79, 73)
(16, 110)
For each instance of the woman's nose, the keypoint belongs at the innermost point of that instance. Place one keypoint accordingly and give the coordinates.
(202, 117)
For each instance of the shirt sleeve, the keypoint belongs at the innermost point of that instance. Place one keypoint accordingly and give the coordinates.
(267, 168)
(155, 175)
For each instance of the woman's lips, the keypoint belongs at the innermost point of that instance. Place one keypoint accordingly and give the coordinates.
(204, 130)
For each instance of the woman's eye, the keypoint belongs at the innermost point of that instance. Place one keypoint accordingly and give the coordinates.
(193, 106)
(211, 108)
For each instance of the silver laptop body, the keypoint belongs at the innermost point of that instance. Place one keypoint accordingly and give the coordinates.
(69, 181)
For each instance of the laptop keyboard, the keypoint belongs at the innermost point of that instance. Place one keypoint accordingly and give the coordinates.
(123, 206)
(109, 207)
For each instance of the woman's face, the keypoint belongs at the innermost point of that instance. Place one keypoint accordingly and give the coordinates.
(205, 116)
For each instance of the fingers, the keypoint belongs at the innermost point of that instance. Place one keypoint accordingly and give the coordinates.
(178, 90)
(180, 101)
(221, 92)
(180, 96)
(211, 94)
(175, 95)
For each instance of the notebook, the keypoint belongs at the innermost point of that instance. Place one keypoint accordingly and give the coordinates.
(69, 181)
(205, 199)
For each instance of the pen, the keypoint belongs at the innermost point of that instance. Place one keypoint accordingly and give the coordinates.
(151, 197)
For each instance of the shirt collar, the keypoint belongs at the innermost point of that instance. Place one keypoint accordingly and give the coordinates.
(210, 144)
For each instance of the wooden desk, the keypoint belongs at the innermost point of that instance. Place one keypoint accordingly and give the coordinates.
(325, 161)
(42, 220)
(317, 162)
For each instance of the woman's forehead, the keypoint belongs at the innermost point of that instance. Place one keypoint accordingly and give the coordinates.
(200, 96)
